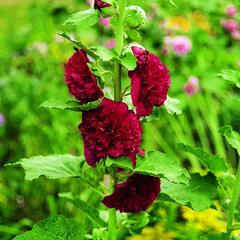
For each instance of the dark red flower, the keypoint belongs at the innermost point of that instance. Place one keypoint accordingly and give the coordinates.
(134, 195)
(98, 4)
(150, 82)
(111, 130)
(82, 84)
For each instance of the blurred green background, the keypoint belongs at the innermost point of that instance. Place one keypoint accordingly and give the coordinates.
(32, 61)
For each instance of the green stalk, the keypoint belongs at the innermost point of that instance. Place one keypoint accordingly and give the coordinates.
(112, 219)
(121, 6)
(233, 204)
(119, 46)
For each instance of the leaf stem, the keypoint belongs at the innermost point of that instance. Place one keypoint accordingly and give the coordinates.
(233, 204)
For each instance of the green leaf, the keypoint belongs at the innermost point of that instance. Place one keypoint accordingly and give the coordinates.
(230, 75)
(72, 39)
(154, 164)
(87, 209)
(54, 228)
(198, 195)
(231, 136)
(173, 105)
(135, 17)
(104, 53)
(128, 60)
(121, 162)
(216, 164)
(162, 165)
(83, 19)
(52, 167)
(134, 35)
(70, 105)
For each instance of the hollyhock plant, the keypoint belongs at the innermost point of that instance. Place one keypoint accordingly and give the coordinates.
(235, 35)
(110, 44)
(150, 82)
(230, 25)
(105, 22)
(231, 11)
(192, 86)
(99, 4)
(134, 195)
(2, 119)
(82, 84)
(111, 130)
(179, 45)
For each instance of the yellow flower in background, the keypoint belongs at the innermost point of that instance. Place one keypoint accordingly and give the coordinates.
(154, 233)
(201, 21)
(178, 23)
(205, 220)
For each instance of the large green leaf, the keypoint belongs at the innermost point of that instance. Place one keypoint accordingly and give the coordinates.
(162, 165)
(231, 136)
(70, 105)
(154, 163)
(83, 19)
(54, 228)
(52, 167)
(87, 209)
(198, 195)
(216, 164)
(104, 53)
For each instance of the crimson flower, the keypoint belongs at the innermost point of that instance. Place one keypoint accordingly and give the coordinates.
(82, 84)
(111, 130)
(150, 82)
(98, 4)
(134, 195)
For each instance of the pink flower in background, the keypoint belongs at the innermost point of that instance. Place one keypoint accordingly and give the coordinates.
(192, 86)
(110, 44)
(105, 22)
(235, 35)
(90, 2)
(231, 10)
(180, 45)
(2, 119)
(230, 25)
(134, 195)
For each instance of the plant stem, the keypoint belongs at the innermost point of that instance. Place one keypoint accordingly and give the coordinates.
(119, 46)
(121, 6)
(112, 220)
(233, 204)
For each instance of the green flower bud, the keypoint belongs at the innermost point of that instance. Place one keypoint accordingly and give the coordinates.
(135, 17)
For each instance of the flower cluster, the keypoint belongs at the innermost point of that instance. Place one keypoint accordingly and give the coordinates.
(230, 24)
(112, 129)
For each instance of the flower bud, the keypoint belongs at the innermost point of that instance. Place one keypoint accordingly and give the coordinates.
(135, 17)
